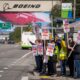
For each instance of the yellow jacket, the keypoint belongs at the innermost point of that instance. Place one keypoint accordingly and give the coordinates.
(63, 44)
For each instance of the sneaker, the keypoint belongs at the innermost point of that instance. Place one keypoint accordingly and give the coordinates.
(42, 73)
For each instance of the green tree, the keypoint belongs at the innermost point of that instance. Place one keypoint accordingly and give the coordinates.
(55, 13)
(16, 35)
(67, 1)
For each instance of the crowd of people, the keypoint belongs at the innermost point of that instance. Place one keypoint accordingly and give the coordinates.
(65, 54)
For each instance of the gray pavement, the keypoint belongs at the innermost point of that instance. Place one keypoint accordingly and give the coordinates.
(23, 68)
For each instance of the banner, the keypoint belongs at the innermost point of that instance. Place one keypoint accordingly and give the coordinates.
(66, 11)
(45, 33)
(50, 49)
(34, 49)
(31, 5)
(40, 49)
(66, 26)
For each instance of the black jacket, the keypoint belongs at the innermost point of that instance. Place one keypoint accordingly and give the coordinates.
(77, 52)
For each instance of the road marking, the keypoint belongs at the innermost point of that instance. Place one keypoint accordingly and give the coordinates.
(25, 78)
(5, 68)
(45, 77)
(0, 75)
(20, 59)
(1, 71)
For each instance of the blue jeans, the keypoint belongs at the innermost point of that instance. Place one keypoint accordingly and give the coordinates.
(63, 67)
(77, 68)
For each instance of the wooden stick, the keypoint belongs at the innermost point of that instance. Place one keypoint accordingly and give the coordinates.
(71, 50)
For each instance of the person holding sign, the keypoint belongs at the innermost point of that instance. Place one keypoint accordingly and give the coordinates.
(45, 60)
(71, 57)
(77, 57)
(38, 53)
(50, 54)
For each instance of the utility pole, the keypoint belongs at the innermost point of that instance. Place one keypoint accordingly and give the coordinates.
(52, 21)
(74, 10)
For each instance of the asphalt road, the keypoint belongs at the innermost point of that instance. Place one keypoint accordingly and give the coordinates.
(18, 64)
(14, 62)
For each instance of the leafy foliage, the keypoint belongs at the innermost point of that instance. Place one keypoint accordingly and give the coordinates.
(55, 13)
(16, 35)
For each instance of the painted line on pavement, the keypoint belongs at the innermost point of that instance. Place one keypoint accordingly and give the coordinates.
(0, 75)
(5, 68)
(1, 71)
(20, 59)
(25, 78)
(45, 77)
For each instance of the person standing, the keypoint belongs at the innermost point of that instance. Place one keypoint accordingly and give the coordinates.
(63, 56)
(45, 59)
(71, 57)
(38, 57)
(52, 60)
(77, 60)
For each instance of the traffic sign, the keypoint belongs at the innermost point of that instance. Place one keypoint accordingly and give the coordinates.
(6, 25)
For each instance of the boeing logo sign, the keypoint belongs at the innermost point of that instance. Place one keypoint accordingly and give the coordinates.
(6, 6)
(14, 6)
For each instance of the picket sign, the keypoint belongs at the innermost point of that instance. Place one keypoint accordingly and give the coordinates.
(40, 49)
(66, 26)
(34, 49)
(45, 33)
(37, 49)
(50, 49)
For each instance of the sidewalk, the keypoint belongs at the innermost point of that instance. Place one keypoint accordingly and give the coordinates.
(32, 75)
(36, 76)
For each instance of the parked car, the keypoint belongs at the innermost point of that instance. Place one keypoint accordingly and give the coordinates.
(11, 42)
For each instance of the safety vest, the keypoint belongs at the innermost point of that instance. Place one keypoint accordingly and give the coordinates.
(63, 51)
(56, 52)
